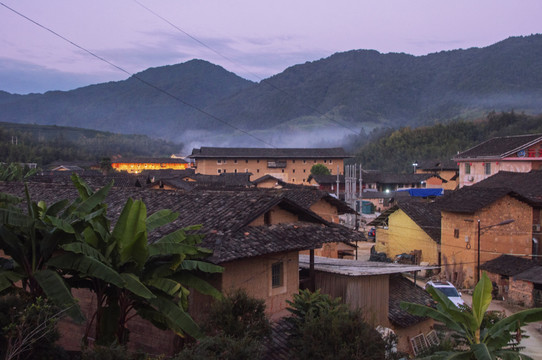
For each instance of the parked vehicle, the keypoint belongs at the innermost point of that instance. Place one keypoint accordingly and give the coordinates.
(372, 234)
(447, 289)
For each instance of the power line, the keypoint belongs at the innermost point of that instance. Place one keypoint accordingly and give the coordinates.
(165, 92)
(242, 67)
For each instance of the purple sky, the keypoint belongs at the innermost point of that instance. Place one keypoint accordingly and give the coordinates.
(258, 38)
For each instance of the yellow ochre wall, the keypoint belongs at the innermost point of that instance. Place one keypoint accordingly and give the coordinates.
(403, 236)
(296, 171)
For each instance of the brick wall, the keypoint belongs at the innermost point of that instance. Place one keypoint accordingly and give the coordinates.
(515, 238)
(521, 293)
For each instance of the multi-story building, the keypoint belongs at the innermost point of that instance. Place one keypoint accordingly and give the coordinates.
(521, 153)
(137, 165)
(290, 165)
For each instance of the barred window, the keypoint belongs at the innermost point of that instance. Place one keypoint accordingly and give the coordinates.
(277, 274)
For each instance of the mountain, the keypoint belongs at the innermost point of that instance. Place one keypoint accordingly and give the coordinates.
(130, 106)
(359, 88)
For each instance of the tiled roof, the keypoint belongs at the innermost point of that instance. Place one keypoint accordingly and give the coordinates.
(438, 165)
(402, 289)
(267, 153)
(225, 216)
(326, 179)
(508, 265)
(307, 196)
(533, 275)
(277, 346)
(376, 177)
(470, 199)
(425, 215)
(528, 185)
(500, 147)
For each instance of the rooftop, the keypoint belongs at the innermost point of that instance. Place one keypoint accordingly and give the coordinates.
(499, 147)
(269, 153)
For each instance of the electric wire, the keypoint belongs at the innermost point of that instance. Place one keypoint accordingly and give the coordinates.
(246, 70)
(165, 92)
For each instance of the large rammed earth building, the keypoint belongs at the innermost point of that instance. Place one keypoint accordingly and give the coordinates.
(288, 164)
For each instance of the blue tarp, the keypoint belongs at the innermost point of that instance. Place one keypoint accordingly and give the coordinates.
(424, 192)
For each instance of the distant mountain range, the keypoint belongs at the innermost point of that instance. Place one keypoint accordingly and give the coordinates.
(359, 88)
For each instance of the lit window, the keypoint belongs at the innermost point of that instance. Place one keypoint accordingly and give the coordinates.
(277, 274)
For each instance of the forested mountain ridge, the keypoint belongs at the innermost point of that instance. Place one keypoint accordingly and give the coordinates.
(396, 150)
(359, 88)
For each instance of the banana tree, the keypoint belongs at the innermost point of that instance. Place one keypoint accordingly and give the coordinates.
(29, 239)
(482, 343)
(128, 275)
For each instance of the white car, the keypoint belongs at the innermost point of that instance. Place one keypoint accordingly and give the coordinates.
(447, 289)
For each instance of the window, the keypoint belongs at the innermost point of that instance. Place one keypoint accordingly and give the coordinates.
(304, 161)
(224, 171)
(258, 161)
(488, 168)
(235, 161)
(467, 168)
(330, 161)
(304, 170)
(419, 344)
(293, 170)
(293, 180)
(219, 161)
(219, 171)
(257, 170)
(246, 161)
(293, 161)
(235, 171)
(325, 161)
(282, 170)
(277, 274)
(456, 233)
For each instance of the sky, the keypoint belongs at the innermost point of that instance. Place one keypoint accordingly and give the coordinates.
(66, 44)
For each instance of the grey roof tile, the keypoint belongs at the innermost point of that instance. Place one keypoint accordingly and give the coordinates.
(269, 153)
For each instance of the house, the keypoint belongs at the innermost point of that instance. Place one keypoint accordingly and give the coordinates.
(137, 165)
(521, 153)
(376, 288)
(408, 227)
(498, 219)
(269, 182)
(446, 170)
(291, 165)
(255, 235)
(517, 280)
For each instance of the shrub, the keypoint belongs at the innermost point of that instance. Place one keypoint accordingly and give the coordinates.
(323, 328)
(222, 347)
(238, 315)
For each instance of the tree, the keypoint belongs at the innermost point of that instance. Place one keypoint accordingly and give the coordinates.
(482, 340)
(320, 169)
(128, 275)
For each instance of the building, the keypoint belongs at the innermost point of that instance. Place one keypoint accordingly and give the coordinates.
(290, 165)
(137, 165)
(409, 227)
(521, 153)
(446, 170)
(255, 235)
(498, 219)
(377, 289)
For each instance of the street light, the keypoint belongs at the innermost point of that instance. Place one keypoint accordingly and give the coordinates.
(505, 222)
(415, 164)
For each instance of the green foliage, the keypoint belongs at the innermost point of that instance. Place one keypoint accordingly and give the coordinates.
(15, 172)
(320, 169)
(323, 328)
(395, 150)
(238, 315)
(28, 328)
(223, 347)
(115, 352)
(43, 144)
(479, 336)
(125, 272)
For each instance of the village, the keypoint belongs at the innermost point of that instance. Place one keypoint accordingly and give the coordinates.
(370, 238)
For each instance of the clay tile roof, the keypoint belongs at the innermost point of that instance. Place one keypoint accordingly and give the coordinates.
(425, 215)
(402, 289)
(438, 165)
(309, 196)
(470, 199)
(508, 265)
(528, 185)
(533, 275)
(267, 153)
(499, 147)
(225, 217)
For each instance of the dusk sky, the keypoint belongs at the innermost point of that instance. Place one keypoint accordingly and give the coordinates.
(254, 39)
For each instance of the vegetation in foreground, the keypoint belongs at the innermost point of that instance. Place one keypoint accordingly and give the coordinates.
(474, 336)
